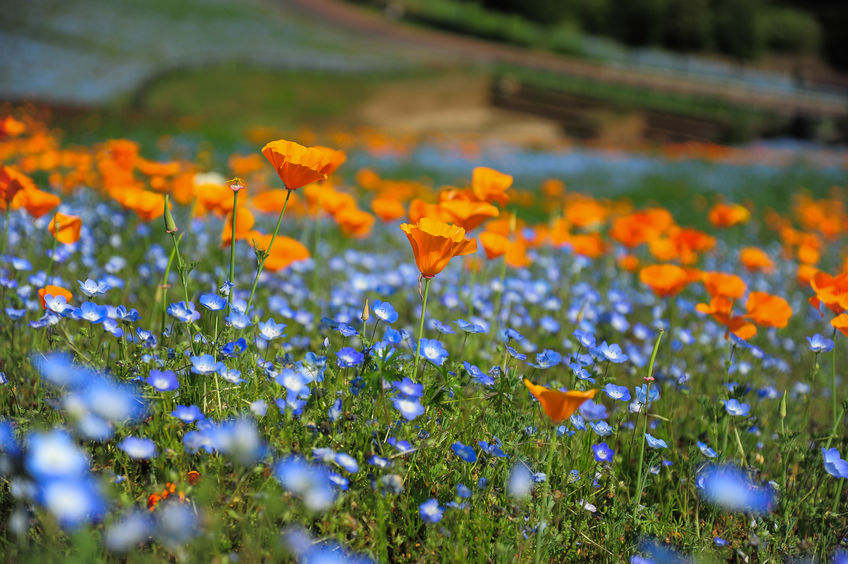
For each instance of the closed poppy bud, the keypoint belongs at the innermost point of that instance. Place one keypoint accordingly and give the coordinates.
(783, 406)
(365, 314)
(170, 225)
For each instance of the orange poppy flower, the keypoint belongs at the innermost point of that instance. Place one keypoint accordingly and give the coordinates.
(54, 291)
(244, 223)
(489, 185)
(285, 251)
(494, 244)
(388, 209)
(628, 262)
(295, 164)
(723, 284)
(840, 322)
(756, 260)
(516, 255)
(419, 209)
(12, 181)
(335, 159)
(728, 215)
(587, 244)
(664, 279)
(468, 215)
(11, 127)
(147, 205)
(559, 406)
(68, 228)
(721, 308)
(434, 243)
(832, 291)
(354, 222)
(768, 310)
(333, 202)
(214, 197)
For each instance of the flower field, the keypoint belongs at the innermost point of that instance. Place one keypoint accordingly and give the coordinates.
(323, 352)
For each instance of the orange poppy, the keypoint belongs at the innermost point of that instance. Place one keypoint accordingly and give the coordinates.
(36, 202)
(333, 202)
(11, 182)
(664, 279)
(388, 209)
(840, 322)
(728, 215)
(516, 255)
(489, 185)
(756, 260)
(434, 243)
(66, 228)
(147, 205)
(768, 310)
(54, 291)
(295, 164)
(494, 244)
(214, 197)
(559, 406)
(419, 209)
(244, 223)
(587, 244)
(468, 215)
(832, 291)
(271, 201)
(628, 262)
(285, 251)
(335, 159)
(721, 308)
(11, 127)
(354, 222)
(723, 284)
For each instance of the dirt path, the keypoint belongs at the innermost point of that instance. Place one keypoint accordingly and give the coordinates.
(453, 48)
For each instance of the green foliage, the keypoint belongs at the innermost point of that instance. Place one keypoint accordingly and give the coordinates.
(788, 30)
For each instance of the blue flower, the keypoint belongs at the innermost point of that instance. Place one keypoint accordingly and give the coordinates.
(515, 354)
(270, 330)
(833, 463)
(347, 462)
(125, 316)
(642, 390)
(238, 319)
(441, 327)
(349, 357)
(72, 501)
(592, 411)
(111, 326)
(163, 380)
(465, 452)
(310, 482)
(620, 393)
(408, 388)
(602, 428)
(463, 491)
(470, 327)
(586, 340)
(478, 375)
(731, 488)
(335, 411)
(184, 313)
(432, 350)
(204, 364)
(231, 375)
(706, 450)
(611, 353)
(187, 413)
(346, 330)
(654, 442)
(138, 448)
(820, 344)
(603, 453)
(54, 455)
(213, 302)
(430, 511)
(547, 358)
(734, 407)
(91, 288)
(384, 311)
(409, 407)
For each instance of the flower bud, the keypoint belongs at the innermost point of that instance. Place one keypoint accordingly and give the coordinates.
(170, 225)
(365, 313)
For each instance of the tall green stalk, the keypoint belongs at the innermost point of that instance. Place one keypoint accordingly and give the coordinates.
(650, 377)
(833, 378)
(267, 251)
(421, 324)
(548, 500)
(232, 253)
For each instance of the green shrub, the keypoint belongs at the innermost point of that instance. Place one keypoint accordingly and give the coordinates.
(787, 30)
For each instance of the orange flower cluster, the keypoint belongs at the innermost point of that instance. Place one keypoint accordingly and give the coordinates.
(170, 489)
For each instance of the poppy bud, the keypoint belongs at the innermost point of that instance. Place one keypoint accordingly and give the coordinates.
(783, 406)
(365, 315)
(170, 225)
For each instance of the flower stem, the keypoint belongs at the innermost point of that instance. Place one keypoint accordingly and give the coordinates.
(267, 252)
(421, 325)
(548, 500)
(232, 253)
(639, 484)
(833, 378)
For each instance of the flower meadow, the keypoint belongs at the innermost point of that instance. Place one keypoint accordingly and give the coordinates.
(278, 356)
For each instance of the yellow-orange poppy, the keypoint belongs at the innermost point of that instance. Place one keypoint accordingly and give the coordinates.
(489, 185)
(295, 164)
(284, 252)
(388, 209)
(244, 223)
(559, 406)
(664, 279)
(468, 215)
(66, 228)
(434, 243)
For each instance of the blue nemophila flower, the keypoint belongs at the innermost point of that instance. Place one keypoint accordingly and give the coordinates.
(335, 411)
(113, 401)
(234, 348)
(339, 481)
(238, 319)
(592, 411)
(731, 488)
(187, 413)
(465, 452)
(54, 455)
(111, 326)
(213, 302)
(295, 382)
(547, 358)
(409, 407)
(493, 449)
(310, 482)
(15, 314)
(441, 327)
(384, 311)
(163, 380)
(347, 462)
(478, 375)
(346, 330)
(57, 304)
(231, 375)
(581, 373)
(204, 364)
(432, 350)
(620, 393)
(259, 407)
(138, 448)
(470, 327)
(601, 428)
(270, 330)
(603, 453)
(515, 354)
(72, 501)
(833, 463)
(91, 288)
(734, 407)
(586, 340)
(520, 482)
(654, 442)
(463, 491)
(706, 450)
(91, 312)
(184, 313)
(382, 350)
(612, 353)
(129, 531)
(401, 446)
(642, 390)
(392, 336)
(378, 461)
(349, 357)
(408, 388)
(719, 541)
(430, 511)
(126, 316)
(820, 344)
(510, 334)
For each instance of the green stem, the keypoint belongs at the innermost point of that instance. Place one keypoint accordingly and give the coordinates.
(421, 325)
(232, 252)
(5, 230)
(833, 379)
(267, 252)
(548, 500)
(165, 291)
(52, 253)
(639, 484)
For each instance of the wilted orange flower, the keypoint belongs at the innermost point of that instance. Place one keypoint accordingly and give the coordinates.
(68, 230)
(284, 252)
(728, 215)
(756, 260)
(295, 164)
(54, 291)
(723, 284)
(354, 222)
(664, 279)
(489, 185)
(768, 310)
(468, 215)
(244, 223)
(388, 209)
(559, 406)
(434, 243)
